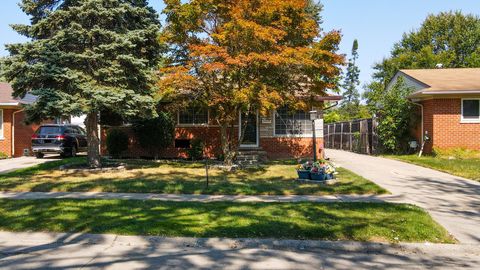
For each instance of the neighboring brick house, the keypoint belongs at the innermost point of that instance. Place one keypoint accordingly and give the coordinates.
(15, 135)
(280, 134)
(449, 104)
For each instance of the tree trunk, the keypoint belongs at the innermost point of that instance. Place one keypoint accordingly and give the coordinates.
(225, 138)
(93, 140)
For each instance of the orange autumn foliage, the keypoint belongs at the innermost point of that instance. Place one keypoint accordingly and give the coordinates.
(246, 55)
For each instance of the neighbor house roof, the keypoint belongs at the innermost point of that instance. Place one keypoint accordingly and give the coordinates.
(6, 98)
(444, 81)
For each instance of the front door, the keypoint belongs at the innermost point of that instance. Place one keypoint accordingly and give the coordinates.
(250, 137)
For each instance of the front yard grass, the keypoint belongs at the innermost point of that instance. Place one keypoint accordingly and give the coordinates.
(380, 222)
(464, 167)
(175, 177)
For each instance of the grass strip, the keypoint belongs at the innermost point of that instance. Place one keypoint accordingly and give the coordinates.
(326, 221)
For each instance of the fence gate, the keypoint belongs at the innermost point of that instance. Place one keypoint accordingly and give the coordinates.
(356, 136)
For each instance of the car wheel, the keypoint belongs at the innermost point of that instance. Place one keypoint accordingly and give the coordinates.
(39, 155)
(73, 152)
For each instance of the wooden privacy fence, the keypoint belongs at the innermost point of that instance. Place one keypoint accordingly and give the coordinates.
(356, 136)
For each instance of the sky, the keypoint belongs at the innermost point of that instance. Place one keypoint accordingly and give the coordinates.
(376, 24)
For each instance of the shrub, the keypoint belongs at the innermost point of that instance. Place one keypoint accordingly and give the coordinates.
(117, 142)
(396, 118)
(3, 155)
(155, 134)
(195, 152)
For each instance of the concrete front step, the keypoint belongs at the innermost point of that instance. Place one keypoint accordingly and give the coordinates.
(251, 157)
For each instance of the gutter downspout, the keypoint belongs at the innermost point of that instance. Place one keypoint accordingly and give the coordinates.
(13, 131)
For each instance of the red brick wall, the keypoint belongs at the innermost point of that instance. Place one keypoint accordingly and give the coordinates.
(442, 120)
(211, 137)
(275, 147)
(282, 147)
(23, 134)
(6, 142)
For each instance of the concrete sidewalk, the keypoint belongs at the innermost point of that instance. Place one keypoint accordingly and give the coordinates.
(196, 197)
(452, 201)
(84, 251)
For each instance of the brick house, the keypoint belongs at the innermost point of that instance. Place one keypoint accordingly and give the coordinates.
(449, 106)
(280, 134)
(15, 135)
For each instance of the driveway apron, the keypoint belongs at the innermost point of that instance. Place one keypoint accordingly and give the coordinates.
(453, 201)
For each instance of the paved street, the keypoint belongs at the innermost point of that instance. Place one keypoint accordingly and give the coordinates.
(452, 201)
(12, 164)
(81, 251)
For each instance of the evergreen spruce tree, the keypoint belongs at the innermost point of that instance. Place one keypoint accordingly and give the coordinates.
(351, 96)
(85, 56)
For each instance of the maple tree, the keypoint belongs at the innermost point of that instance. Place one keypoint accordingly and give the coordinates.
(247, 55)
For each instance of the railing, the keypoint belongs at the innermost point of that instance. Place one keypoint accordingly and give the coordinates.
(356, 136)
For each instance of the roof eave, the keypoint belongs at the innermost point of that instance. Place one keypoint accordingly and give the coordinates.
(10, 104)
(431, 93)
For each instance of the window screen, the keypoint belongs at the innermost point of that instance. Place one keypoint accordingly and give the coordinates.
(289, 122)
(193, 116)
(471, 109)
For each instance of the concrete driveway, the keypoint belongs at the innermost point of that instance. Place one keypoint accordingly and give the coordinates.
(453, 201)
(7, 165)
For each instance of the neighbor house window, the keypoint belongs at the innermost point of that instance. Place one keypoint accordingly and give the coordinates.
(1, 124)
(295, 123)
(193, 116)
(471, 110)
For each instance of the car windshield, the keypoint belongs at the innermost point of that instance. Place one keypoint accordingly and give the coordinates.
(49, 130)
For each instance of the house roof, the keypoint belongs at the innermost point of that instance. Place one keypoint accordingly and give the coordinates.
(6, 98)
(445, 81)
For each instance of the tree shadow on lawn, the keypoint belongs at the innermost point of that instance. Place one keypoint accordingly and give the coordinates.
(178, 177)
(327, 221)
(181, 182)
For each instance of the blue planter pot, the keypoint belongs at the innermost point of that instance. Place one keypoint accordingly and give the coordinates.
(303, 174)
(318, 176)
(329, 176)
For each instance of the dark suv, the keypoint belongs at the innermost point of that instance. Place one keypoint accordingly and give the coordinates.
(66, 140)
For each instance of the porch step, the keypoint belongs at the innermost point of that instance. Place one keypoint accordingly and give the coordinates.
(251, 157)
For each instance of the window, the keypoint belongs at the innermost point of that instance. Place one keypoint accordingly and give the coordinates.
(182, 143)
(48, 130)
(193, 116)
(296, 123)
(471, 110)
(1, 124)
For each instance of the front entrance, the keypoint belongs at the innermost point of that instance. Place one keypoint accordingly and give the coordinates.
(250, 138)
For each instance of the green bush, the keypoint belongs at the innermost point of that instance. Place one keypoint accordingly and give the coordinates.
(3, 155)
(195, 152)
(155, 134)
(117, 142)
(396, 117)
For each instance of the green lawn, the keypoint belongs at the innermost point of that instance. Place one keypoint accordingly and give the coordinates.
(464, 167)
(328, 221)
(276, 178)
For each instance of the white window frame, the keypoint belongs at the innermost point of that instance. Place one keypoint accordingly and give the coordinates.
(287, 135)
(193, 125)
(468, 120)
(1, 125)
